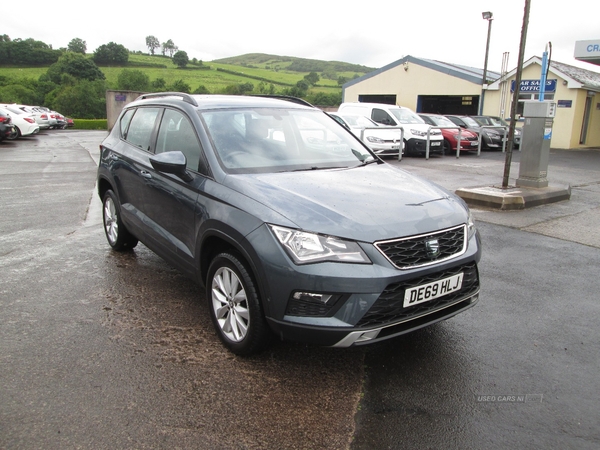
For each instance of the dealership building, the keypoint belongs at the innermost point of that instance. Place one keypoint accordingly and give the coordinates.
(430, 86)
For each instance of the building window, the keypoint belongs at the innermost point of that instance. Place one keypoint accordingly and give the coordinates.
(526, 97)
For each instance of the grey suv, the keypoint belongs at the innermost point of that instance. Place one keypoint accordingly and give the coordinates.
(294, 227)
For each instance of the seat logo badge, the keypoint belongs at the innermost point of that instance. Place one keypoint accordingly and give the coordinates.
(433, 248)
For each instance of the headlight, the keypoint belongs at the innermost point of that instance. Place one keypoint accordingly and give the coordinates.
(470, 225)
(375, 139)
(305, 248)
(419, 132)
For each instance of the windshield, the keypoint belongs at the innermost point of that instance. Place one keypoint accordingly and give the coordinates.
(406, 116)
(279, 140)
(442, 121)
(496, 121)
(359, 121)
(470, 122)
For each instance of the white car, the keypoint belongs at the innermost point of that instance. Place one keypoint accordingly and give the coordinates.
(53, 122)
(24, 123)
(383, 142)
(41, 116)
(416, 132)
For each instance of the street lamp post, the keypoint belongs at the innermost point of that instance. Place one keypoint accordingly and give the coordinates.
(487, 15)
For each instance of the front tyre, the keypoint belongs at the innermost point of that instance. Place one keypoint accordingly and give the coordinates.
(117, 235)
(234, 306)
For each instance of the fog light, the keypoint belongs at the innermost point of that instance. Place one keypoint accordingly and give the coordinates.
(312, 304)
(312, 297)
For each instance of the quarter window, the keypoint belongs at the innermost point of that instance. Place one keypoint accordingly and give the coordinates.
(124, 123)
(141, 127)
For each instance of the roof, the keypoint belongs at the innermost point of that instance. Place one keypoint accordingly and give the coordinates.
(471, 74)
(576, 77)
(212, 101)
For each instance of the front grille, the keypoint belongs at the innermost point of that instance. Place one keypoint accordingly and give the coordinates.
(419, 251)
(388, 308)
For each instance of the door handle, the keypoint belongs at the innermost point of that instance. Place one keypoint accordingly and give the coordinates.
(146, 174)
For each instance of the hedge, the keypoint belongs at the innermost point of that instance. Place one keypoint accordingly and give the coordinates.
(90, 124)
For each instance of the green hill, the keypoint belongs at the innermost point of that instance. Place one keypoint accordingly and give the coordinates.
(281, 71)
(293, 64)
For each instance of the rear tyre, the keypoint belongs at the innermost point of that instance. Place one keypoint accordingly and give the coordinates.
(14, 134)
(117, 235)
(234, 306)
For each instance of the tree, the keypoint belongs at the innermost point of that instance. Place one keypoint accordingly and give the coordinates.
(28, 52)
(133, 80)
(152, 43)
(238, 89)
(303, 85)
(312, 78)
(169, 47)
(77, 46)
(17, 93)
(180, 86)
(85, 100)
(264, 88)
(75, 65)
(180, 59)
(201, 90)
(159, 85)
(111, 54)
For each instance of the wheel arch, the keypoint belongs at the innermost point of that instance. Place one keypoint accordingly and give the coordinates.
(215, 242)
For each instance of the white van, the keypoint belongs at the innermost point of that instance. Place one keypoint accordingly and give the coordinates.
(415, 128)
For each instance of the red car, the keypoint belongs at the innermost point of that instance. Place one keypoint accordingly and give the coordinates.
(468, 140)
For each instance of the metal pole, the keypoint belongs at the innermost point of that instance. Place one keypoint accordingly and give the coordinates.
(513, 108)
(484, 81)
(543, 76)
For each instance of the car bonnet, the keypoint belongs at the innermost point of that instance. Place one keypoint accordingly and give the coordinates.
(368, 203)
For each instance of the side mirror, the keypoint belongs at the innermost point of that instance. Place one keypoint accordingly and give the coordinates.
(173, 163)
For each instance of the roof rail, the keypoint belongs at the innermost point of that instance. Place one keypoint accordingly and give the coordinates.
(289, 98)
(185, 97)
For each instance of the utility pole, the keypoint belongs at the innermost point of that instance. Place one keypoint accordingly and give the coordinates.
(515, 101)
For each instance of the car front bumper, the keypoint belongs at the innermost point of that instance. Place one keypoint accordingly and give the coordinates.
(370, 305)
(415, 145)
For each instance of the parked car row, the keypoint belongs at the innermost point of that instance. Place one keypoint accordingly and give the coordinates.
(492, 138)
(29, 120)
(417, 129)
(468, 139)
(383, 142)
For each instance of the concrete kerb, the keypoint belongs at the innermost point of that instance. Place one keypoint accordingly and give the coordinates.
(512, 197)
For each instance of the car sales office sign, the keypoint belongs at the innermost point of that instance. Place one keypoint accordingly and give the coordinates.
(534, 86)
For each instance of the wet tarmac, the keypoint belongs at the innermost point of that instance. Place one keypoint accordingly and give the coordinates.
(106, 350)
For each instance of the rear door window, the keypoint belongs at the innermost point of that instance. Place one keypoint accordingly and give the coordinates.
(141, 127)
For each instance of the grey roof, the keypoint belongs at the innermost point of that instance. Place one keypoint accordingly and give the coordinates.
(588, 78)
(472, 74)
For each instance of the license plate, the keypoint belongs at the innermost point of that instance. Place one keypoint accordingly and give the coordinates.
(435, 144)
(395, 147)
(430, 291)
(474, 143)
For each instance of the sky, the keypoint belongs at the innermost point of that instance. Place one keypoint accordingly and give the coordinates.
(359, 32)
